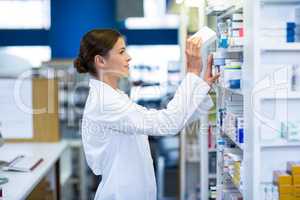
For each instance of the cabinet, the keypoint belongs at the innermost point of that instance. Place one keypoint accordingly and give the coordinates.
(256, 121)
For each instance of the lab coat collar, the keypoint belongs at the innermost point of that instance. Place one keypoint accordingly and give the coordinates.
(94, 83)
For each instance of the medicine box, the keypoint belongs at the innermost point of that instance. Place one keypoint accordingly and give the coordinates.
(296, 180)
(237, 25)
(282, 178)
(236, 41)
(235, 33)
(237, 17)
(293, 167)
(286, 197)
(236, 97)
(286, 189)
(296, 188)
(207, 35)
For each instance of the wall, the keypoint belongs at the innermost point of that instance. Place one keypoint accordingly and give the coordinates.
(72, 18)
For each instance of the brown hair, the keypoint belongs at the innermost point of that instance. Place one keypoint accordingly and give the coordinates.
(94, 42)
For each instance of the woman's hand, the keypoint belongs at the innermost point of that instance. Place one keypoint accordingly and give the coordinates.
(208, 77)
(193, 55)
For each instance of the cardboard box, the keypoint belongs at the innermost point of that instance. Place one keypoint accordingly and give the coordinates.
(30, 110)
(42, 191)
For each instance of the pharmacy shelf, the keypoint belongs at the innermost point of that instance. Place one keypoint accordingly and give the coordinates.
(230, 11)
(210, 176)
(282, 96)
(222, 94)
(240, 146)
(232, 91)
(236, 186)
(231, 49)
(235, 49)
(258, 159)
(280, 144)
(282, 47)
(212, 150)
(280, 2)
(216, 11)
(195, 161)
(213, 12)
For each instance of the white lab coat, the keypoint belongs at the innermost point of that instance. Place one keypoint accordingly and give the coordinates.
(115, 135)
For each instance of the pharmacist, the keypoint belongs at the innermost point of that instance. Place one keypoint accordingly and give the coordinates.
(115, 130)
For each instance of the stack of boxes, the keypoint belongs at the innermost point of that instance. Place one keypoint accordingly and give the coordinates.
(232, 75)
(233, 166)
(293, 168)
(288, 32)
(237, 173)
(288, 182)
(230, 69)
(231, 31)
(236, 30)
(233, 127)
(232, 119)
(232, 194)
(284, 182)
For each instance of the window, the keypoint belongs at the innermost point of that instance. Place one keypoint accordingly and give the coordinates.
(155, 16)
(25, 14)
(33, 55)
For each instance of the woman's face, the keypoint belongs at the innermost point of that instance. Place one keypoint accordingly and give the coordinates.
(117, 60)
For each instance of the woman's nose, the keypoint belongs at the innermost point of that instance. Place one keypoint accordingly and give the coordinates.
(129, 58)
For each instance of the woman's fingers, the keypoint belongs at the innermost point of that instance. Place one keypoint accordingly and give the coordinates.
(208, 72)
(193, 46)
(199, 44)
(187, 46)
(193, 55)
(196, 46)
(210, 79)
(214, 78)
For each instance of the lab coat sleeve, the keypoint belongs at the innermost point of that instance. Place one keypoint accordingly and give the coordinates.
(202, 110)
(135, 119)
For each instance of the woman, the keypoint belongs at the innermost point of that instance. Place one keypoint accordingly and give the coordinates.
(115, 130)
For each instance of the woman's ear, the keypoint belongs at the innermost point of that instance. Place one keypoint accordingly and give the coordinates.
(99, 61)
